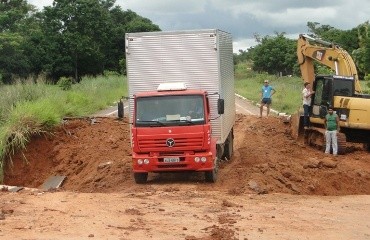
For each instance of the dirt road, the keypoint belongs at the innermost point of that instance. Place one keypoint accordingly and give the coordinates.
(272, 188)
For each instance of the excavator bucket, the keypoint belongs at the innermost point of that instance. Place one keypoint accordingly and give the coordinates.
(296, 125)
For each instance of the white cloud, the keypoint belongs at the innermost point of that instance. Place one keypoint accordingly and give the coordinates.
(243, 44)
(244, 18)
(165, 7)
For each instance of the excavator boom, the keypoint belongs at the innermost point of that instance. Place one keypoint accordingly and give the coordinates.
(310, 49)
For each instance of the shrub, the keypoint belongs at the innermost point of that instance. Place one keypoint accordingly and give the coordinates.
(65, 83)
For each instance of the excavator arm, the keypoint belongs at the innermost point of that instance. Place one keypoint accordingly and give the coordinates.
(310, 49)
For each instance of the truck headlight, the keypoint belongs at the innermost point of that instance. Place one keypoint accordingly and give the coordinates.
(140, 161)
(146, 161)
(196, 159)
(203, 159)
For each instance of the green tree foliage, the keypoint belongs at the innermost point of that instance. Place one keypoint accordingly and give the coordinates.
(86, 37)
(364, 39)
(275, 55)
(77, 33)
(243, 56)
(347, 39)
(13, 13)
(12, 60)
(124, 22)
(355, 41)
(67, 39)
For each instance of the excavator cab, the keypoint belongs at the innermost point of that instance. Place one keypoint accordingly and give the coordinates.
(326, 89)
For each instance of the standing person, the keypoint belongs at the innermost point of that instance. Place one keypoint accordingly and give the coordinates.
(266, 93)
(332, 127)
(306, 95)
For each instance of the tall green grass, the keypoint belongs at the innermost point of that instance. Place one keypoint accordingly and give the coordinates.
(27, 109)
(288, 89)
(288, 96)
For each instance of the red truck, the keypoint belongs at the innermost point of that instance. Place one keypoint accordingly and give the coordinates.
(182, 101)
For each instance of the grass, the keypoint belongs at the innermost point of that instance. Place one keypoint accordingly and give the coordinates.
(28, 109)
(288, 96)
(288, 89)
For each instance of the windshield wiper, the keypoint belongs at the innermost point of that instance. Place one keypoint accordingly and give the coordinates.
(151, 121)
(183, 121)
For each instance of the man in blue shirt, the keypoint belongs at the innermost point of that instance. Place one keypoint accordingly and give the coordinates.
(266, 93)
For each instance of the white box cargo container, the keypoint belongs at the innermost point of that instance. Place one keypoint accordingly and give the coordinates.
(202, 59)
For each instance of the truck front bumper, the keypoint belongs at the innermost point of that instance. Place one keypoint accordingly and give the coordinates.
(193, 162)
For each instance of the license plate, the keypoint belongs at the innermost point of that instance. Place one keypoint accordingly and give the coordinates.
(171, 160)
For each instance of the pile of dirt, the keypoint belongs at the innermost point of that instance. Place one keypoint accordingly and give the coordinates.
(95, 156)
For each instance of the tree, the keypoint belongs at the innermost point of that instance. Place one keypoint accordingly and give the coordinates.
(12, 62)
(86, 37)
(12, 13)
(275, 55)
(76, 33)
(15, 17)
(354, 41)
(124, 22)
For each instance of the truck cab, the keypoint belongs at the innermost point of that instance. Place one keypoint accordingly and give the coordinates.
(172, 132)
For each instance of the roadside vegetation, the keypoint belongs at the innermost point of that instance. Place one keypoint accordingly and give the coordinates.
(288, 89)
(287, 98)
(30, 108)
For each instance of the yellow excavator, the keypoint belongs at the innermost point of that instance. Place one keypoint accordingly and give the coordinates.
(342, 91)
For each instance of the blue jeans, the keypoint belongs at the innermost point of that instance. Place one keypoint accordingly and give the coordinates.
(306, 115)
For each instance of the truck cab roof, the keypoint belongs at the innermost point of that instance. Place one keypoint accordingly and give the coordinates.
(171, 92)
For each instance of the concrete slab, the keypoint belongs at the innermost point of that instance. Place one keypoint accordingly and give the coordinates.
(53, 182)
(15, 189)
(10, 188)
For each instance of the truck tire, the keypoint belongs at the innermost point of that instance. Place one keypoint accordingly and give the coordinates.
(229, 147)
(211, 176)
(141, 178)
(120, 109)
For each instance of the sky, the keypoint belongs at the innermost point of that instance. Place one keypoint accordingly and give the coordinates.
(246, 18)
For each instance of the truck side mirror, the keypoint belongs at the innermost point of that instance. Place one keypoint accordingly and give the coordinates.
(221, 106)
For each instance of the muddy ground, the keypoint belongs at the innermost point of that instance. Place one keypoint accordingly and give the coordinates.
(274, 187)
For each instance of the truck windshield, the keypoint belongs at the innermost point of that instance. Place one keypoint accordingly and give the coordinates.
(169, 110)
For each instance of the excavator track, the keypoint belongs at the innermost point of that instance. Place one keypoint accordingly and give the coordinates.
(315, 137)
(342, 143)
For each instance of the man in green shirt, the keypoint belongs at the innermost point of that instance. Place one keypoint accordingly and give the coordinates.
(332, 127)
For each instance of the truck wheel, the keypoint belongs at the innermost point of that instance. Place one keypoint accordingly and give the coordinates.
(141, 177)
(211, 176)
(229, 147)
(120, 109)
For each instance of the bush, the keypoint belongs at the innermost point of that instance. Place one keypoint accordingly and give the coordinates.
(65, 83)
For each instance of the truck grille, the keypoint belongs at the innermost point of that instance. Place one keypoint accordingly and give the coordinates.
(180, 144)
